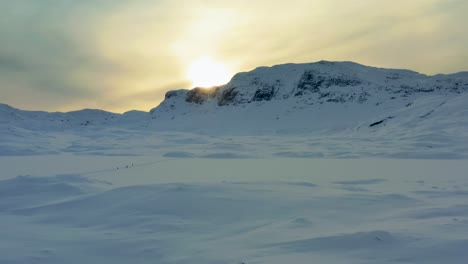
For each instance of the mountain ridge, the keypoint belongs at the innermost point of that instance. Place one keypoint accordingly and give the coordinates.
(266, 83)
(312, 97)
(170, 93)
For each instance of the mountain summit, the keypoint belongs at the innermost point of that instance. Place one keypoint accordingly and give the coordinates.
(313, 98)
(336, 82)
(309, 97)
(291, 109)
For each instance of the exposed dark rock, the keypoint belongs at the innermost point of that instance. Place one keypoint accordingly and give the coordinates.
(432, 111)
(309, 82)
(425, 90)
(381, 121)
(171, 94)
(324, 95)
(200, 95)
(313, 82)
(363, 97)
(299, 93)
(342, 82)
(266, 93)
(338, 99)
(427, 114)
(377, 123)
(228, 96)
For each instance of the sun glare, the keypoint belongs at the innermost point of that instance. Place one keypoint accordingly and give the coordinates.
(206, 72)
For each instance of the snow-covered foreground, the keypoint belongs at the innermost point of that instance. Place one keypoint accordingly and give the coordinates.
(68, 208)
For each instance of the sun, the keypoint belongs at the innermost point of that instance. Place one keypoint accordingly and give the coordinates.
(206, 72)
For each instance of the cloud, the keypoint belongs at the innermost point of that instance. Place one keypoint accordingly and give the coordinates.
(122, 55)
(42, 53)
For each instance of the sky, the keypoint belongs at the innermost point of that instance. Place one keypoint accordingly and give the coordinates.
(62, 55)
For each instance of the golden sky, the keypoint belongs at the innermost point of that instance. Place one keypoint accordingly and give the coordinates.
(61, 55)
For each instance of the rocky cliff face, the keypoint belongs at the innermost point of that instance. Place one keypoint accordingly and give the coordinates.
(317, 83)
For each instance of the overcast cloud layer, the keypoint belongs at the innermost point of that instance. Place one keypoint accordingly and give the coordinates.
(61, 55)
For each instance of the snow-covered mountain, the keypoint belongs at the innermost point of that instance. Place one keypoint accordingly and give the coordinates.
(335, 82)
(331, 97)
(58, 121)
(322, 96)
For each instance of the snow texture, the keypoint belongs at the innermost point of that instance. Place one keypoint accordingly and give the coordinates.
(329, 162)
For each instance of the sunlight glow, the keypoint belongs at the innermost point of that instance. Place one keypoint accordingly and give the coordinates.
(206, 72)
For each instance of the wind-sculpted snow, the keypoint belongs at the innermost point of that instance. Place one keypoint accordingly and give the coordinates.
(27, 191)
(235, 211)
(362, 142)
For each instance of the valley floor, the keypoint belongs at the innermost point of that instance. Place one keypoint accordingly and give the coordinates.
(70, 208)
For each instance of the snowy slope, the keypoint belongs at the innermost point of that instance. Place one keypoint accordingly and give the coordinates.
(57, 121)
(361, 111)
(322, 96)
(309, 98)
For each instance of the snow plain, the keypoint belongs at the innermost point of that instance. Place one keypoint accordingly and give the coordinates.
(188, 198)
